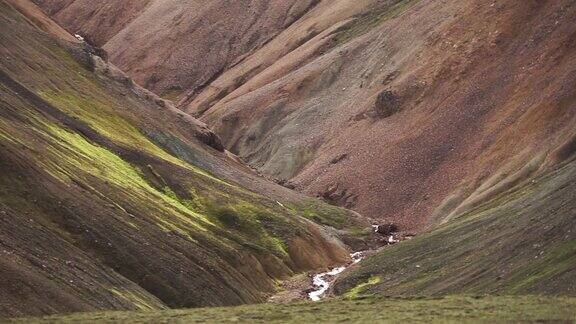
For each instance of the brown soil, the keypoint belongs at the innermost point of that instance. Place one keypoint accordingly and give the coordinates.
(97, 21)
(173, 47)
(40, 20)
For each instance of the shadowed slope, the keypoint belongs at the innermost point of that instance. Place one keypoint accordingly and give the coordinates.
(521, 242)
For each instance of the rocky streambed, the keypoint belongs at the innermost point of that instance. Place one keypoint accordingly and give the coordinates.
(314, 286)
(322, 281)
(387, 234)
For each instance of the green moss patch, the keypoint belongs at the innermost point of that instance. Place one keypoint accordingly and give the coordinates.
(358, 290)
(372, 19)
(320, 213)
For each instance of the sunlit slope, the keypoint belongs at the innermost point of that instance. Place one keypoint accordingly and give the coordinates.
(111, 199)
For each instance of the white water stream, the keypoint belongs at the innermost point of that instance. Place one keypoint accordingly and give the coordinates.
(323, 280)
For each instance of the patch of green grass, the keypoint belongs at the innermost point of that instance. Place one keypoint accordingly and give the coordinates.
(456, 309)
(74, 157)
(96, 113)
(134, 299)
(247, 219)
(371, 19)
(320, 213)
(559, 260)
(358, 290)
(103, 164)
(360, 232)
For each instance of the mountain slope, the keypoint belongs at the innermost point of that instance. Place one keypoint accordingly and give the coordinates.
(417, 112)
(407, 120)
(521, 242)
(402, 110)
(99, 21)
(110, 198)
(171, 47)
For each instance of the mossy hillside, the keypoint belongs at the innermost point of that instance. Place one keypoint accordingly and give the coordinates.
(98, 162)
(33, 230)
(359, 290)
(100, 111)
(312, 209)
(248, 218)
(97, 112)
(520, 242)
(73, 160)
(112, 113)
(138, 301)
(371, 19)
(321, 213)
(86, 170)
(453, 309)
(555, 262)
(234, 212)
(76, 159)
(70, 157)
(90, 102)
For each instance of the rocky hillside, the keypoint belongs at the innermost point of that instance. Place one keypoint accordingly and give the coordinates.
(171, 46)
(111, 198)
(403, 110)
(415, 109)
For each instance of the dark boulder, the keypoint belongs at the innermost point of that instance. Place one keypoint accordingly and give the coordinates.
(210, 138)
(387, 104)
(387, 229)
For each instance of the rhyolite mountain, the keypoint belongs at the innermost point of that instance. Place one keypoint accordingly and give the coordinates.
(453, 119)
(401, 110)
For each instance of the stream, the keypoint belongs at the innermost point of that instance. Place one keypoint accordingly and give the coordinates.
(323, 280)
